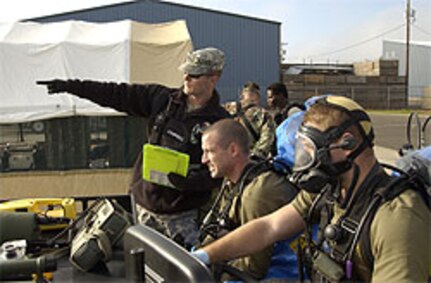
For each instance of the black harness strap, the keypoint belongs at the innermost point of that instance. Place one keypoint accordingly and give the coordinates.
(352, 222)
(253, 172)
(214, 220)
(396, 187)
(300, 106)
(161, 120)
(348, 225)
(355, 224)
(248, 125)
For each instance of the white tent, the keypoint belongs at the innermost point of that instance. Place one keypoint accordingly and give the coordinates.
(123, 51)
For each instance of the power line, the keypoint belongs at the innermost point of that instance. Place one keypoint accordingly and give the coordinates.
(359, 43)
(422, 30)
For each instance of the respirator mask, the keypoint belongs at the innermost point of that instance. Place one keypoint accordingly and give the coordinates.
(313, 168)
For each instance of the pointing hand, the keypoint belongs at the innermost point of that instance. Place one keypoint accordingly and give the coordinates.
(54, 86)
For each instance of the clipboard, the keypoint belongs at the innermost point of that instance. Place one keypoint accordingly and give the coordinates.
(158, 161)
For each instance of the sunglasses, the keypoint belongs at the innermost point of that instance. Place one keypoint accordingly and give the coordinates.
(196, 76)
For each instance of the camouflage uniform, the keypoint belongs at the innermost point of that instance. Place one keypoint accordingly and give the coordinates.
(181, 227)
(260, 126)
(173, 125)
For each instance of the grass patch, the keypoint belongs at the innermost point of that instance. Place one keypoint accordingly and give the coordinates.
(399, 111)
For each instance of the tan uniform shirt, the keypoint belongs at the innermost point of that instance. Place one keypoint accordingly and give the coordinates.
(400, 239)
(263, 195)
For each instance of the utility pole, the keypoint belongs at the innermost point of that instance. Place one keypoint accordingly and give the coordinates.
(408, 12)
(282, 58)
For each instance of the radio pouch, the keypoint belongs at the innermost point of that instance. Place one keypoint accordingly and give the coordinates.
(101, 230)
(327, 267)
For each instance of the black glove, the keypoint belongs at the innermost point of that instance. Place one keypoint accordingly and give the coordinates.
(54, 86)
(178, 181)
(196, 180)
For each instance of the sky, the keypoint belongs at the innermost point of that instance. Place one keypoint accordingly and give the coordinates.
(330, 31)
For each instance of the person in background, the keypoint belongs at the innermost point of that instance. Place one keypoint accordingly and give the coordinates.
(250, 190)
(278, 103)
(177, 117)
(257, 121)
(372, 227)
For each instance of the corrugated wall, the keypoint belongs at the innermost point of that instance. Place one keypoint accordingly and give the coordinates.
(251, 45)
(419, 65)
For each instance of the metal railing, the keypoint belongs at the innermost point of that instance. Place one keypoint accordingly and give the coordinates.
(418, 132)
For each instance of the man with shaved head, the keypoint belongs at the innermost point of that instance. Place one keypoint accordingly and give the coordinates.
(249, 190)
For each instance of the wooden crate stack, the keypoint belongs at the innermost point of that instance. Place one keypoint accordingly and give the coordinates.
(366, 68)
(375, 85)
(376, 68)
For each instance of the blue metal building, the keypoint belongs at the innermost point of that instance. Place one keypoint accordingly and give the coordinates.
(251, 45)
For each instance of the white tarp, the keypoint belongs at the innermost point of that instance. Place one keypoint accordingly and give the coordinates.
(123, 51)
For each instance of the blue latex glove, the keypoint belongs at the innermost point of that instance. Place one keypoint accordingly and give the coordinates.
(202, 256)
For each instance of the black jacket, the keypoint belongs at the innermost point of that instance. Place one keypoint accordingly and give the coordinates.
(170, 125)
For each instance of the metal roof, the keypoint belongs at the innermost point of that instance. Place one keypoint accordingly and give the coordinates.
(251, 45)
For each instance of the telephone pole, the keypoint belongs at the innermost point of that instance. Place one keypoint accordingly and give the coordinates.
(408, 12)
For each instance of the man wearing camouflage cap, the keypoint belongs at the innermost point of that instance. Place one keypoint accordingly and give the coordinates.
(177, 118)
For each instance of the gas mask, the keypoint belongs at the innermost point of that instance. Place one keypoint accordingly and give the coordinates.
(313, 168)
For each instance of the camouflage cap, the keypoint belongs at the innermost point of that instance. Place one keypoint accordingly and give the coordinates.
(203, 62)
